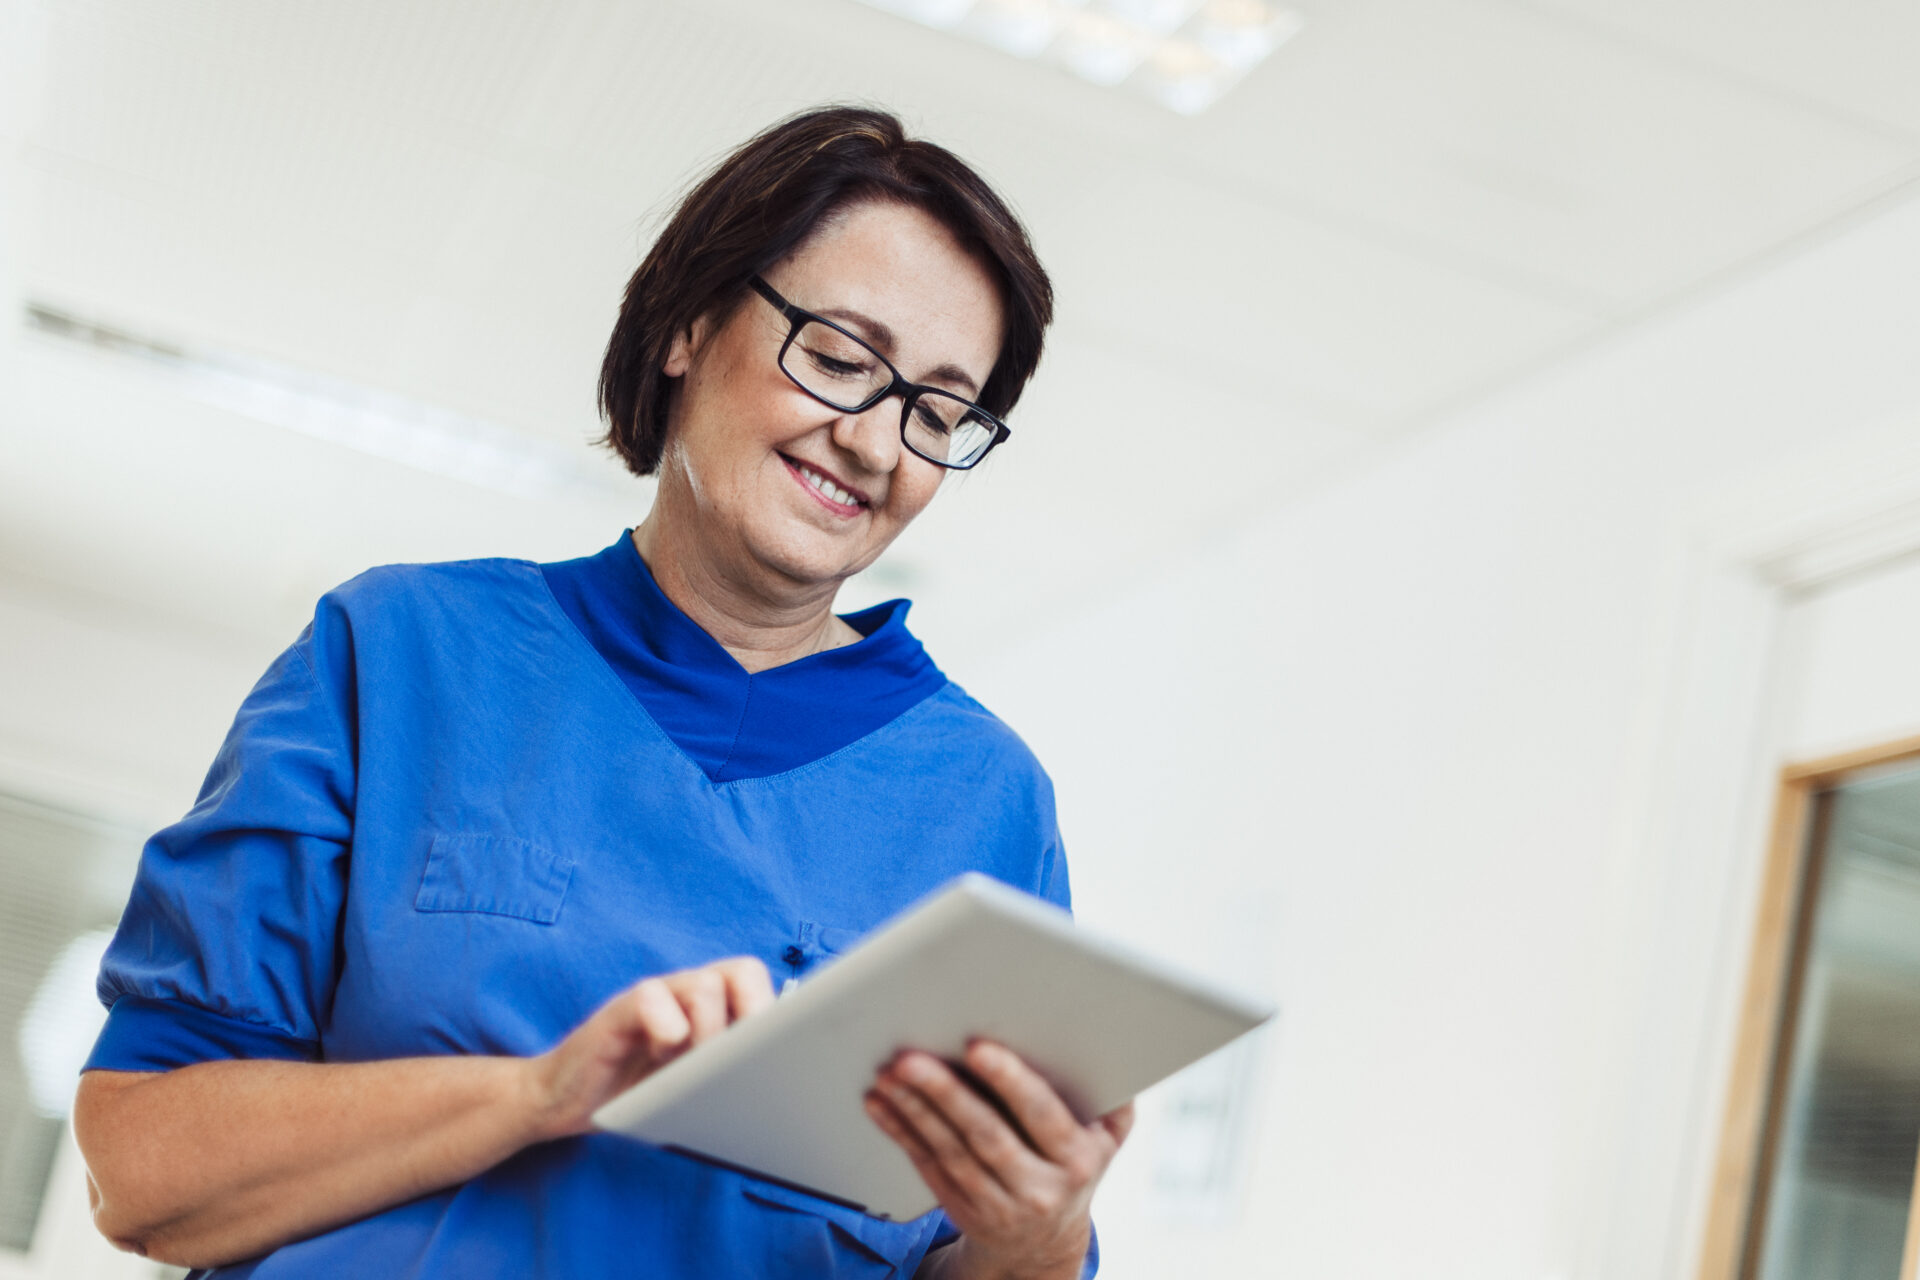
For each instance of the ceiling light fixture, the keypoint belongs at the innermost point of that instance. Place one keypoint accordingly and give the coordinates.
(424, 436)
(1184, 54)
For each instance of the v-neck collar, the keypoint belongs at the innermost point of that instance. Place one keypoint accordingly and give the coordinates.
(734, 723)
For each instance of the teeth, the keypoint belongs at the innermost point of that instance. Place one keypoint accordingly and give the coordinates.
(827, 487)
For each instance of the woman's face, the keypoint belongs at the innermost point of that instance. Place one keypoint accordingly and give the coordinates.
(748, 451)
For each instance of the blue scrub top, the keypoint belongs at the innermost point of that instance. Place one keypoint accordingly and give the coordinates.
(476, 800)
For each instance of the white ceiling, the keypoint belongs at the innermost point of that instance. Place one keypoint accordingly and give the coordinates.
(1412, 203)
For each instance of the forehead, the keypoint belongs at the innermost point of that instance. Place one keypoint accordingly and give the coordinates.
(905, 269)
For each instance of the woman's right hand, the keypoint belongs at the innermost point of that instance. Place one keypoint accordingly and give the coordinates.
(641, 1029)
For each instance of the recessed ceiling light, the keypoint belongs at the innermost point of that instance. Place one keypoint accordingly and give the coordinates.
(424, 436)
(1101, 47)
(1242, 33)
(1023, 28)
(934, 13)
(1184, 54)
(1162, 17)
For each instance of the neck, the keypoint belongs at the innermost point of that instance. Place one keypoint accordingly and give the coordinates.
(758, 626)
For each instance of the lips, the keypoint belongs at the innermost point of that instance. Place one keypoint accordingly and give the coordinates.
(825, 487)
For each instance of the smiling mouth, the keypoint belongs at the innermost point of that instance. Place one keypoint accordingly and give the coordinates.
(825, 487)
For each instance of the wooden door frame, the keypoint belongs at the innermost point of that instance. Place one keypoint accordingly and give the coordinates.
(1755, 1093)
(1673, 1200)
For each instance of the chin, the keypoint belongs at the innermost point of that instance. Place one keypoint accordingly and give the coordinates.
(798, 565)
(802, 553)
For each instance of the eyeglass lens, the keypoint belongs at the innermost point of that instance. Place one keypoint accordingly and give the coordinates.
(847, 374)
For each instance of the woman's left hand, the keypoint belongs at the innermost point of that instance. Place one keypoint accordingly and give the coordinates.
(1022, 1209)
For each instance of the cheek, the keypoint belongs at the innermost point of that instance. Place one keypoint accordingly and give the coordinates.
(912, 492)
(720, 446)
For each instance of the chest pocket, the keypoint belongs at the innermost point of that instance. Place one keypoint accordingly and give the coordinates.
(494, 875)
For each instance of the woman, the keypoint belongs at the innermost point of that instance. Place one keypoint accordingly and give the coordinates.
(369, 992)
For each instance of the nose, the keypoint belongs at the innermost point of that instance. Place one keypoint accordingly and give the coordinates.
(872, 437)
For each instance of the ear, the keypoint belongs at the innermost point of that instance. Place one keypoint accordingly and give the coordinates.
(685, 346)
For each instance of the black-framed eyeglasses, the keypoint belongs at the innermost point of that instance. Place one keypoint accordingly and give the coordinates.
(842, 372)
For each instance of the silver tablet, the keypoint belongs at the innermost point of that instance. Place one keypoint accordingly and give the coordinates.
(780, 1095)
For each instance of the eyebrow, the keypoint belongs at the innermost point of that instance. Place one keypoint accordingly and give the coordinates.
(882, 337)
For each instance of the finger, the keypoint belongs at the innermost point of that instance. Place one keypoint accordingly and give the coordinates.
(657, 1015)
(958, 1196)
(749, 986)
(1118, 1123)
(703, 994)
(943, 1161)
(895, 1126)
(1056, 1134)
(970, 1118)
(952, 1196)
(956, 1161)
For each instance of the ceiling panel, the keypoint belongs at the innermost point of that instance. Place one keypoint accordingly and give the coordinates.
(112, 248)
(1288, 311)
(1853, 57)
(1545, 155)
(117, 485)
(1414, 201)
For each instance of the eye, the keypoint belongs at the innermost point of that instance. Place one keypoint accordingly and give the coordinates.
(835, 367)
(930, 420)
(832, 354)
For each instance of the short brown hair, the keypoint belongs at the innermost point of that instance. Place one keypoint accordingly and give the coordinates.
(758, 206)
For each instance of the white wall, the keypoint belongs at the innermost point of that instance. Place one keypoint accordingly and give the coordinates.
(1491, 725)
(110, 711)
(1854, 679)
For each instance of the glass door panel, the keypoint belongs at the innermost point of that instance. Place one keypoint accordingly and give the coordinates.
(1838, 1181)
(63, 880)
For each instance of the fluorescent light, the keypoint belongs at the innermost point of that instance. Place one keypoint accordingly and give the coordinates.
(1242, 33)
(1023, 28)
(1102, 48)
(1161, 17)
(1184, 54)
(424, 436)
(931, 13)
(1187, 77)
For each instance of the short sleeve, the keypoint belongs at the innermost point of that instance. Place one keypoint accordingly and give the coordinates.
(227, 945)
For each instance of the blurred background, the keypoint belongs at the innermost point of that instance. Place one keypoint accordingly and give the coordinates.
(1479, 449)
